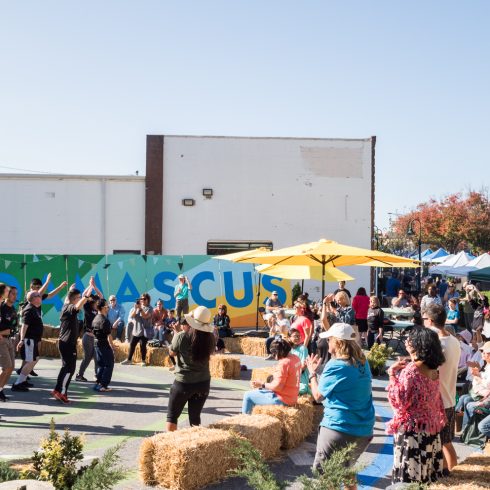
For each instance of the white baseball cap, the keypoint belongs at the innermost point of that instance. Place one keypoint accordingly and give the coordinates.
(342, 331)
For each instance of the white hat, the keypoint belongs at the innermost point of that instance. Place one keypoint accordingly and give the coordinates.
(181, 276)
(485, 348)
(342, 331)
(200, 319)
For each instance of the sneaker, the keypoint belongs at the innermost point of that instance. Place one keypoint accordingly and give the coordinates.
(64, 398)
(57, 395)
(3, 396)
(103, 389)
(142, 363)
(96, 387)
(80, 378)
(126, 361)
(29, 385)
(19, 387)
(34, 374)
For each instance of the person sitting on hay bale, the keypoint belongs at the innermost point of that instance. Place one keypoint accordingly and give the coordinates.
(283, 389)
(222, 327)
(192, 347)
(278, 330)
(345, 389)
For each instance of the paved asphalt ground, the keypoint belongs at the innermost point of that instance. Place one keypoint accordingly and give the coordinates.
(136, 408)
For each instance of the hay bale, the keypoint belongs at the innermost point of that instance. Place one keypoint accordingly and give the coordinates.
(145, 464)
(157, 356)
(121, 351)
(295, 428)
(311, 411)
(50, 332)
(192, 458)
(261, 374)
(263, 431)
(233, 345)
(49, 348)
(472, 474)
(224, 366)
(254, 346)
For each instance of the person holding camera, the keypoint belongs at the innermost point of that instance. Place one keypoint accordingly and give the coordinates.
(141, 315)
(181, 295)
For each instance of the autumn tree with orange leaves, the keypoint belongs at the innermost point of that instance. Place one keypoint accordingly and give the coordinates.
(455, 222)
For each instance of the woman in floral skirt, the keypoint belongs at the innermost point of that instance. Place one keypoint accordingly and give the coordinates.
(413, 392)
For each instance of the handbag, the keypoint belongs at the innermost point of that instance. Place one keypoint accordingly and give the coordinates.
(471, 436)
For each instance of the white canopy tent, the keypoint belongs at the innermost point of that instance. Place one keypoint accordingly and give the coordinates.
(449, 266)
(480, 262)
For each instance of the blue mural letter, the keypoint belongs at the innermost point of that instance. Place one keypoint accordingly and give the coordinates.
(160, 283)
(127, 284)
(268, 285)
(197, 280)
(248, 291)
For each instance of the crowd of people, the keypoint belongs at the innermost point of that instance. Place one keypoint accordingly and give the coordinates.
(318, 352)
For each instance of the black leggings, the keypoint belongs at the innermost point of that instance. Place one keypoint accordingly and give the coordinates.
(68, 366)
(194, 394)
(134, 342)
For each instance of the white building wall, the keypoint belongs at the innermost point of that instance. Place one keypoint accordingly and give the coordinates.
(72, 214)
(284, 190)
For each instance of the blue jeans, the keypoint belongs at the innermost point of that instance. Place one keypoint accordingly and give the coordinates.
(259, 397)
(467, 404)
(105, 361)
(484, 426)
(120, 330)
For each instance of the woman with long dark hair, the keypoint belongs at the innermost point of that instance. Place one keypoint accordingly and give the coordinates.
(419, 417)
(360, 304)
(192, 347)
(104, 348)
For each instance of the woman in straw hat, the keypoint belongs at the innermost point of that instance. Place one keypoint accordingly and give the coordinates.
(192, 348)
(345, 389)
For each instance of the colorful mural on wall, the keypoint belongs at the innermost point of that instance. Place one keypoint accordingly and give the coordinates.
(128, 276)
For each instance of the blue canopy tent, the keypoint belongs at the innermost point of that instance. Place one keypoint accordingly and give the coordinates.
(435, 255)
(415, 256)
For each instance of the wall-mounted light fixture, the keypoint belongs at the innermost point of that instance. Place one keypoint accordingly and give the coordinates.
(207, 193)
(188, 202)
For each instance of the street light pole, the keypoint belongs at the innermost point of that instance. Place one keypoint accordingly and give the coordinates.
(411, 232)
(377, 232)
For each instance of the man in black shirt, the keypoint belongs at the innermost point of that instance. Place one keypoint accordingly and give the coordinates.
(68, 343)
(30, 337)
(342, 288)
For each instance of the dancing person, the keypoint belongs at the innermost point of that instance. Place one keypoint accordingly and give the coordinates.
(192, 347)
(434, 317)
(419, 417)
(88, 339)
(375, 321)
(141, 314)
(104, 348)
(298, 349)
(360, 305)
(116, 317)
(67, 344)
(284, 387)
(181, 295)
(31, 334)
(345, 390)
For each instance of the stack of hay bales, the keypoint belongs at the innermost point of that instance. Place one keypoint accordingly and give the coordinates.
(158, 356)
(261, 374)
(224, 366)
(49, 348)
(187, 459)
(263, 431)
(121, 351)
(233, 345)
(254, 346)
(310, 410)
(295, 427)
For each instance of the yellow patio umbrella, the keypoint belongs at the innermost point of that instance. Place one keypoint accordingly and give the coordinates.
(327, 253)
(332, 274)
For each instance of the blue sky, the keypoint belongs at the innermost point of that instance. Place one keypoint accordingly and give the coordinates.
(82, 83)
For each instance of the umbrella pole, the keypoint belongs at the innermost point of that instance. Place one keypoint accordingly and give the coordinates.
(323, 277)
(258, 299)
(302, 286)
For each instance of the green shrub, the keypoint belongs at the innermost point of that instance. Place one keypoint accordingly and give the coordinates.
(377, 357)
(334, 473)
(296, 291)
(7, 473)
(57, 459)
(102, 474)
